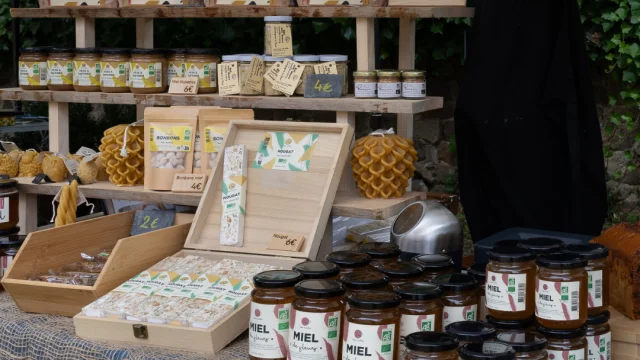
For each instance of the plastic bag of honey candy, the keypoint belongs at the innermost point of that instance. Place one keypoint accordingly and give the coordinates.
(58, 279)
(8, 166)
(84, 266)
(53, 166)
(100, 256)
(82, 278)
(30, 163)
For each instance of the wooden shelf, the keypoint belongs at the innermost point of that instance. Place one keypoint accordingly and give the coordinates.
(345, 204)
(246, 12)
(348, 103)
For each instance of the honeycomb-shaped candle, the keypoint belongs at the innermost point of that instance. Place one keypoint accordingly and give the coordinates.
(383, 165)
(123, 171)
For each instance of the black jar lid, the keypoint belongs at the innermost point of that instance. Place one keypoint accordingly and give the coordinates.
(176, 51)
(349, 259)
(274, 279)
(507, 243)
(431, 342)
(365, 280)
(203, 51)
(317, 269)
(511, 324)
(599, 319)
(35, 49)
(434, 261)
(62, 50)
(561, 261)
(138, 51)
(8, 183)
(456, 282)
(418, 291)
(542, 245)
(319, 289)
(588, 251)
(562, 334)
(381, 250)
(489, 350)
(11, 240)
(116, 51)
(401, 270)
(523, 341)
(510, 254)
(88, 50)
(476, 331)
(479, 272)
(374, 300)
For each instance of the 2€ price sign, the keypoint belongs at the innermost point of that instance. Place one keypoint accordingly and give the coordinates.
(151, 220)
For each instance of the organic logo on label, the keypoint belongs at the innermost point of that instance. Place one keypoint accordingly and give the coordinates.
(512, 285)
(223, 282)
(288, 141)
(283, 314)
(603, 345)
(425, 326)
(333, 322)
(184, 278)
(590, 286)
(358, 334)
(565, 293)
(572, 357)
(471, 315)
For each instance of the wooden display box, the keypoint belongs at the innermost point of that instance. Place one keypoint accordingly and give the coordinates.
(289, 202)
(53, 248)
(625, 336)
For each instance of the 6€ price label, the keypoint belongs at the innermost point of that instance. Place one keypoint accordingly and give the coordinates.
(286, 242)
(151, 220)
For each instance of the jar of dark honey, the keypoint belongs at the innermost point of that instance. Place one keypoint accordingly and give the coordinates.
(510, 286)
(318, 270)
(434, 265)
(350, 261)
(420, 309)
(598, 273)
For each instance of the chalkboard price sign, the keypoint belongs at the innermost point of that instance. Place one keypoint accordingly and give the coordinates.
(323, 86)
(151, 220)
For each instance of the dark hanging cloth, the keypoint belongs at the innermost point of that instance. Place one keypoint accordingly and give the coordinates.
(527, 131)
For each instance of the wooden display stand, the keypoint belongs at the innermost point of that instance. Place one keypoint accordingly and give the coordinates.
(278, 201)
(625, 337)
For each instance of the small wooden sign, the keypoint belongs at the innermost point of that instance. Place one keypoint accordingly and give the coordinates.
(151, 220)
(286, 242)
(184, 86)
(324, 86)
(189, 183)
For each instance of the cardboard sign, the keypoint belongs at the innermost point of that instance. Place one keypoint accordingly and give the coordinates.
(9, 146)
(256, 74)
(286, 242)
(288, 77)
(228, 79)
(281, 41)
(151, 220)
(72, 166)
(326, 68)
(324, 86)
(191, 183)
(184, 86)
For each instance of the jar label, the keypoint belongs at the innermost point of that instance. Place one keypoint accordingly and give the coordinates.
(175, 69)
(314, 336)
(5, 262)
(269, 330)
(86, 74)
(206, 72)
(389, 90)
(415, 323)
(414, 90)
(4, 209)
(558, 300)
(146, 75)
(60, 73)
(595, 288)
(506, 292)
(453, 314)
(599, 347)
(566, 355)
(33, 73)
(365, 89)
(170, 138)
(365, 342)
(114, 75)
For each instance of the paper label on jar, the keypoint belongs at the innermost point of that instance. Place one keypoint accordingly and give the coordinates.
(269, 330)
(365, 89)
(566, 355)
(389, 90)
(206, 72)
(366, 342)
(214, 137)
(288, 78)
(170, 138)
(506, 292)
(256, 74)
(114, 74)
(145, 75)
(229, 81)
(415, 323)
(176, 69)
(86, 73)
(60, 73)
(32, 73)
(452, 314)
(281, 41)
(286, 151)
(272, 72)
(595, 288)
(4, 209)
(558, 300)
(314, 336)
(5, 261)
(599, 347)
(414, 90)
(326, 68)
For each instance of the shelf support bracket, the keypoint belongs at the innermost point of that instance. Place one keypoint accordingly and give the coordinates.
(59, 127)
(406, 60)
(144, 40)
(28, 213)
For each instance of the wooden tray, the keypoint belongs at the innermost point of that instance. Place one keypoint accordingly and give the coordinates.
(53, 248)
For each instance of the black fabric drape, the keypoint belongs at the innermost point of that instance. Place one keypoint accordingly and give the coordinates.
(527, 130)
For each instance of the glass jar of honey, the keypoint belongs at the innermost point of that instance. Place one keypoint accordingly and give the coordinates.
(460, 297)
(598, 272)
(471, 331)
(318, 270)
(510, 287)
(598, 334)
(420, 309)
(528, 345)
(363, 281)
(566, 344)
(427, 345)
(401, 272)
(32, 68)
(350, 261)
(381, 252)
(435, 265)
(60, 69)
(489, 350)
(542, 245)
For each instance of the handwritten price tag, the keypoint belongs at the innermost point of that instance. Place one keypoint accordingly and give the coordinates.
(151, 220)
(323, 86)
(286, 242)
(189, 183)
(184, 86)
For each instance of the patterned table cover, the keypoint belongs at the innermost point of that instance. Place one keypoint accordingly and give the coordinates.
(38, 336)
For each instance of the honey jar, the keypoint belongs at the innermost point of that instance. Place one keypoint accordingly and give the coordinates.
(389, 85)
(426, 345)
(471, 331)
(510, 287)
(87, 69)
(566, 344)
(414, 85)
(598, 334)
(528, 345)
(60, 69)
(401, 272)
(512, 325)
(318, 270)
(32, 68)
(598, 273)
(489, 350)
(381, 252)
(460, 297)
(350, 261)
(542, 245)
(420, 309)
(435, 265)
(365, 84)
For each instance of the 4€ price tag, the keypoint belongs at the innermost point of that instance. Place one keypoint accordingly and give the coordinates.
(286, 242)
(189, 183)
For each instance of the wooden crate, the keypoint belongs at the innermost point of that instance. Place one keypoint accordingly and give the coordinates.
(53, 248)
(625, 336)
(277, 201)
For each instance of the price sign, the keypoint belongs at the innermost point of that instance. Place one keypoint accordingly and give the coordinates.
(286, 242)
(184, 86)
(192, 183)
(323, 86)
(151, 220)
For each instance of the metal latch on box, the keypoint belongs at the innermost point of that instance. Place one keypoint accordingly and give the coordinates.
(140, 331)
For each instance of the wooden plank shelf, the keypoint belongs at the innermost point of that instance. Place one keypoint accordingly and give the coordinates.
(348, 103)
(246, 12)
(345, 204)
